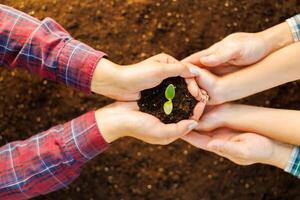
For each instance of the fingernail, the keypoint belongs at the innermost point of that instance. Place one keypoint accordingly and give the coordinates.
(194, 71)
(193, 126)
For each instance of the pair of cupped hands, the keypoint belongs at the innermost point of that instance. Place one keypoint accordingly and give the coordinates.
(203, 72)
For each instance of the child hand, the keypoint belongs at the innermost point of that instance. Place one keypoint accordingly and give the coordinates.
(124, 83)
(124, 119)
(242, 148)
(210, 83)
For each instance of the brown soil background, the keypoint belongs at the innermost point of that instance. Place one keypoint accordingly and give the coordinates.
(129, 31)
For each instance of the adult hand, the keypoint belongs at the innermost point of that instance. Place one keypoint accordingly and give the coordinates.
(210, 83)
(124, 119)
(242, 148)
(278, 68)
(125, 83)
(237, 49)
(278, 124)
(240, 49)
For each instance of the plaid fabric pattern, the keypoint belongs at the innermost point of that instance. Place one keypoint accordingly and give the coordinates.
(293, 166)
(50, 160)
(45, 49)
(294, 23)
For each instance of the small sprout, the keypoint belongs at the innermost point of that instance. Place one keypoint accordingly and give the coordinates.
(169, 94)
(168, 107)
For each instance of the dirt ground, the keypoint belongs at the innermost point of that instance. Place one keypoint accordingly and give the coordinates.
(129, 31)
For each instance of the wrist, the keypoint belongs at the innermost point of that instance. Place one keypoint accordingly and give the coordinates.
(106, 122)
(217, 93)
(280, 156)
(222, 90)
(276, 37)
(105, 76)
(227, 114)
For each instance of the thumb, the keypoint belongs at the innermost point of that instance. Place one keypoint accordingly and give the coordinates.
(177, 69)
(204, 78)
(196, 139)
(176, 130)
(210, 122)
(218, 57)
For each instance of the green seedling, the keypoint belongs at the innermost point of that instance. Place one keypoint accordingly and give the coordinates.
(169, 94)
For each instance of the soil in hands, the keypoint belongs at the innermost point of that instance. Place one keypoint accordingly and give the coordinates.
(152, 101)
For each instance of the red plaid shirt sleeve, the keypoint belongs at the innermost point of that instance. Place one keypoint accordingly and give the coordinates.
(45, 49)
(50, 160)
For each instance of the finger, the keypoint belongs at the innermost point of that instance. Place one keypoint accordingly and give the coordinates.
(222, 70)
(209, 122)
(224, 155)
(220, 56)
(230, 148)
(177, 69)
(195, 58)
(205, 78)
(169, 131)
(198, 110)
(201, 141)
(197, 140)
(194, 89)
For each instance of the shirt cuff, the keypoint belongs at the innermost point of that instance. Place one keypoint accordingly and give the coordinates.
(85, 140)
(293, 166)
(79, 62)
(294, 24)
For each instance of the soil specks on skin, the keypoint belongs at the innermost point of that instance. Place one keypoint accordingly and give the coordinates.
(152, 101)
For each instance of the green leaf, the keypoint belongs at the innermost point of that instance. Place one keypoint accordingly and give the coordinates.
(168, 107)
(170, 92)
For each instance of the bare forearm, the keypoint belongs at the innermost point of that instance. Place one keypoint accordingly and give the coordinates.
(278, 124)
(281, 155)
(280, 67)
(277, 37)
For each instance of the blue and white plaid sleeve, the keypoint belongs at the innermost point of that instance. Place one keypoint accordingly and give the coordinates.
(294, 23)
(293, 166)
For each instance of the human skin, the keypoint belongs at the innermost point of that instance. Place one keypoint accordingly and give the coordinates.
(123, 119)
(278, 124)
(124, 83)
(278, 68)
(243, 148)
(223, 73)
(242, 49)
